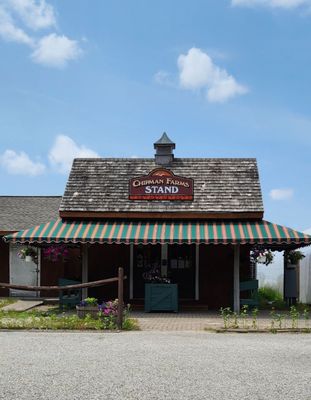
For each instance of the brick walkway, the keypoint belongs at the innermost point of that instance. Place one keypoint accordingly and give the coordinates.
(196, 321)
(183, 321)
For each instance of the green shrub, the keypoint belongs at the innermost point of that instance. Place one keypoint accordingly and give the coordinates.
(269, 294)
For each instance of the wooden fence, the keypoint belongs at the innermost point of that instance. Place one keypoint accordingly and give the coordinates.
(120, 279)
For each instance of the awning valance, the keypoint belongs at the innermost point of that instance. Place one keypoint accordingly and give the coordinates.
(153, 232)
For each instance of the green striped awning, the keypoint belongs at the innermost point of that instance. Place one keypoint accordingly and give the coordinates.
(145, 232)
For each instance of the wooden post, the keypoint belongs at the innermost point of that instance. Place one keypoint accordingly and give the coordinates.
(131, 270)
(236, 279)
(120, 297)
(85, 269)
(197, 265)
(284, 273)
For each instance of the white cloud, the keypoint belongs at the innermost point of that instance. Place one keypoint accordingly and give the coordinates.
(36, 14)
(64, 150)
(281, 194)
(197, 71)
(286, 4)
(20, 164)
(16, 16)
(10, 32)
(56, 51)
(307, 231)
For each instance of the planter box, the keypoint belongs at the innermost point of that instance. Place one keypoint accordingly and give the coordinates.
(82, 312)
(161, 297)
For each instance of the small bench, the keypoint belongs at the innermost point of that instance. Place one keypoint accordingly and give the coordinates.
(69, 297)
(251, 287)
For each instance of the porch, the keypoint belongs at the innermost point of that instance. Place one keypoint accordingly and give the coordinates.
(206, 259)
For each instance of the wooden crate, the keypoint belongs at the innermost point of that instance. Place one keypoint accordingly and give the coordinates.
(82, 312)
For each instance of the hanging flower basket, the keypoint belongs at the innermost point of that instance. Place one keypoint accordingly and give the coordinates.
(293, 257)
(28, 259)
(261, 259)
(261, 256)
(56, 253)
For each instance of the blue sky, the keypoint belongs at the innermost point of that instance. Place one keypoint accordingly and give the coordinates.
(223, 78)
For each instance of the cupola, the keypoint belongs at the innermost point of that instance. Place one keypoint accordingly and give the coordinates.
(164, 150)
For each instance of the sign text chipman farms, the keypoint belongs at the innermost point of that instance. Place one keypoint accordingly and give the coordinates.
(161, 184)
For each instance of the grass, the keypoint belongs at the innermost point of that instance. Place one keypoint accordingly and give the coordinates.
(53, 320)
(6, 301)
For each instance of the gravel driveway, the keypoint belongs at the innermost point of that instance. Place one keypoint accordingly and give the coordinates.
(154, 365)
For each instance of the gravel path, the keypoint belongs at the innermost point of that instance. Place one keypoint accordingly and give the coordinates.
(154, 365)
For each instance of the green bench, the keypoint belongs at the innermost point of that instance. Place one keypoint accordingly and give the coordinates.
(252, 288)
(71, 297)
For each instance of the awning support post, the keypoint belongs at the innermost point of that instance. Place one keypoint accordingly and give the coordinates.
(197, 267)
(236, 279)
(131, 270)
(120, 298)
(85, 269)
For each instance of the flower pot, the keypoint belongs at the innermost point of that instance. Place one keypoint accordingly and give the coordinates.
(83, 311)
(28, 258)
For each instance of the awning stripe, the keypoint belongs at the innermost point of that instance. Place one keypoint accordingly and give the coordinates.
(128, 233)
(241, 232)
(137, 233)
(153, 232)
(103, 233)
(51, 233)
(198, 233)
(224, 233)
(95, 231)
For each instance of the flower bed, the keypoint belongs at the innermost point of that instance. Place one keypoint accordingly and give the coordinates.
(53, 320)
(107, 312)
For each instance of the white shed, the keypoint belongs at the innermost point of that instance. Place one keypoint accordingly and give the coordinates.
(305, 278)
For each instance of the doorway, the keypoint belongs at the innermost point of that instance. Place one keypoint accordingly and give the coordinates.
(174, 262)
(181, 263)
(22, 273)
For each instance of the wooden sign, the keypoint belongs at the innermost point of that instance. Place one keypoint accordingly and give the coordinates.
(161, 184)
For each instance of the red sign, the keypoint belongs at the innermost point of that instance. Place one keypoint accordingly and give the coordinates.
(161, 184)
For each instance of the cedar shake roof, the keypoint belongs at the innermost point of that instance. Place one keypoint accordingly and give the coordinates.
(221, 185)
(21, 212)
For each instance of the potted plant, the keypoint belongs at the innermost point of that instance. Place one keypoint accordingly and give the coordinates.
(28, 254)
(153, 275)
(293, 257)
(88, 306)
